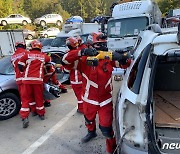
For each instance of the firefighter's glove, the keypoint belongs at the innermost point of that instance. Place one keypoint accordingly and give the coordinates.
(120, 51)
(89, 52)
(122, 57)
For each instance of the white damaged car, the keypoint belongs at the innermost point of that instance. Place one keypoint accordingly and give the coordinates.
(147, 112)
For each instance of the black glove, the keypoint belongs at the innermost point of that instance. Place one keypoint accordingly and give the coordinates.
(89, 52)
(119, 51)
(122, 58)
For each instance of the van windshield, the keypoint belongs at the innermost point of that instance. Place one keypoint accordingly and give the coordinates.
(59, 42)
(126, 27)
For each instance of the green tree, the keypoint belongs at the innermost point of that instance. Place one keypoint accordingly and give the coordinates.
(37, 8)
(5, 7)
(166, 5)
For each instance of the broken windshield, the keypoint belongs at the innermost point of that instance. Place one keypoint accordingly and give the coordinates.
(59, 42)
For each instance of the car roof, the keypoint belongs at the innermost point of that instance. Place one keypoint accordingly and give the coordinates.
(76, 17)
(165, 42)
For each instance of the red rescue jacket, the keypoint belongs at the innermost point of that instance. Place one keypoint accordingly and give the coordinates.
(34, 66)
(97, 81)
(14, 60)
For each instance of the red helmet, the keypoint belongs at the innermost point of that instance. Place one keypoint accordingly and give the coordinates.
(96, 37)
(36, 44)
(72, 42)
(20, 44)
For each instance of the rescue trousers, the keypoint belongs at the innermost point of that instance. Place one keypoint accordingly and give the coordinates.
(19, 89)
(32, 92)
(77, 88)
(105, 114)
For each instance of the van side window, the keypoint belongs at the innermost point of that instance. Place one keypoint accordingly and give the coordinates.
(136, 74)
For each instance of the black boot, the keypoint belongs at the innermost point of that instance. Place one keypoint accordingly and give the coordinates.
(90, 135)
(47, 104)
(34, 114)
(78, 111)
(25, 122)
(64, 91)
(42, 117)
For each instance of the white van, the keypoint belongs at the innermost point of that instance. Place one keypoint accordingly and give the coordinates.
(147, 112)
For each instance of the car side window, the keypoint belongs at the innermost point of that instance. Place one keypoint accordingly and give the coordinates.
(137, 71)
(12, 16)
(18, 16)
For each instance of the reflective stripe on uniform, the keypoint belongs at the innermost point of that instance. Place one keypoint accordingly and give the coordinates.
(80, 102)
(88, 84)
(32, 103)
(105, 102)
(66, 70)
(24, 109)
(73, 82)
(97, 103)
(21, 63)
(64, 59)
(19, 79)
(40, 108)
(108, 83)
(85, 97)
(32, 78)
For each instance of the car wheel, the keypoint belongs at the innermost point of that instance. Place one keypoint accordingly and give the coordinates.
(45, 35)
(9, 105)
(58, 23)
(4, 23)
(43, 23)
(24, 22)
(29, 37)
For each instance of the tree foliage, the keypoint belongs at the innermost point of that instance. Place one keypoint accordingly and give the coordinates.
(166, 5)
(88, 9)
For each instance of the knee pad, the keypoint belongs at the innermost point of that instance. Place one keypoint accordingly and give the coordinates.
(88, 122)
(107, 131)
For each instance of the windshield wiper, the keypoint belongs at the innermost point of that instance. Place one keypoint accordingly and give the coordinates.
(115, 36)
(129, 35)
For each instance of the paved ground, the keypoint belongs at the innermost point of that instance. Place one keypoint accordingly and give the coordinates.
(59, 133)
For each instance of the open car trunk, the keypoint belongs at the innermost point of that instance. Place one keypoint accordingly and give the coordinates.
(166, 97)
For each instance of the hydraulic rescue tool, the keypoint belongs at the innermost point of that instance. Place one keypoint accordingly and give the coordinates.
(109, 55)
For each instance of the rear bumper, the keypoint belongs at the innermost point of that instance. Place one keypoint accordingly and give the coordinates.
(127, 149)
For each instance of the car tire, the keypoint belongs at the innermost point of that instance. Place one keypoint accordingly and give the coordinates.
(11, 105)
(29, 37)
(58, 23)
(43, 23)
(4, 23)
(24, 23)
(45, 35)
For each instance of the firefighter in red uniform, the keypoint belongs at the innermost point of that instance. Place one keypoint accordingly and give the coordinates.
(97, 88)
(33, 63)
(75, 75)
(50, 77)
(19, 52)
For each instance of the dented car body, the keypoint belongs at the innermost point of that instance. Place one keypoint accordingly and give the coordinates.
(148, 105)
